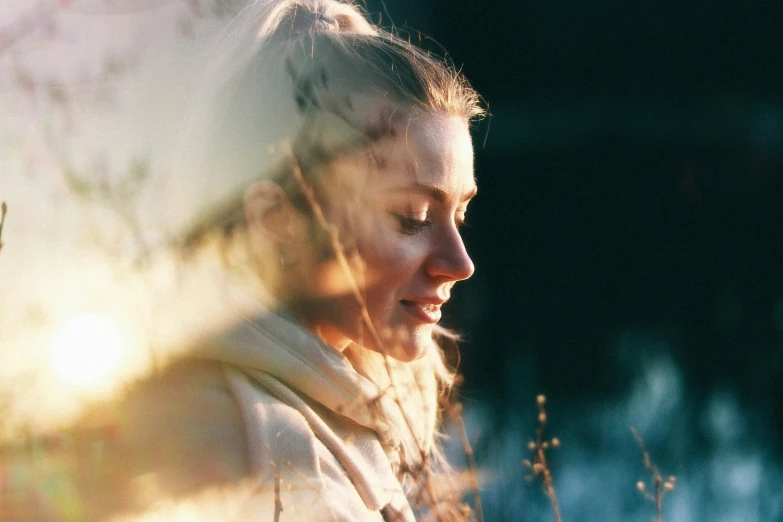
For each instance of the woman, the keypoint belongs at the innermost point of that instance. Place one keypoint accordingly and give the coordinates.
(351, 152)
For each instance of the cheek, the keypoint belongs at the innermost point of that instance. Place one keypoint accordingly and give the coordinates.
(389, 257)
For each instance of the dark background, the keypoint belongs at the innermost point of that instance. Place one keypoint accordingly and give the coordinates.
(628, 237)
(628, 240)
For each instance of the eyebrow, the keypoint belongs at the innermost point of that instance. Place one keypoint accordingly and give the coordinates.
(436, 193)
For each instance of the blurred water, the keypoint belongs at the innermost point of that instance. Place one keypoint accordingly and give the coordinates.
(738, 482)
(721, 452)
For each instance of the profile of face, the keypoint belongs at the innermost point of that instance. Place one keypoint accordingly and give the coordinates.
(397, 207)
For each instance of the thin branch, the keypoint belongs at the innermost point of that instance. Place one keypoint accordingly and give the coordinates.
(455, 413)
(339, 252)
(3, 210)
(660, 486)
(278, 500)
(540, 466)
(336, 244)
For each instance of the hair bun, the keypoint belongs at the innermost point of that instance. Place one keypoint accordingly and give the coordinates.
(292, 18)
(316, 21)
(329, 22)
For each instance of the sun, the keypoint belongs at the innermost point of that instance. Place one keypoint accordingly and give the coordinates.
(87, 350)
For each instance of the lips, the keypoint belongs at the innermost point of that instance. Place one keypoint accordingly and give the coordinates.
(423, 310)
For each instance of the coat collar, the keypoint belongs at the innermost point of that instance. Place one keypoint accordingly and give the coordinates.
(298, 369)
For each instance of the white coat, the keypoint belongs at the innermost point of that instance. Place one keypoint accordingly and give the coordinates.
(260, 422)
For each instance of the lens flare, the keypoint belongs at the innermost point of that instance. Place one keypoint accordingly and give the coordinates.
(87, 350)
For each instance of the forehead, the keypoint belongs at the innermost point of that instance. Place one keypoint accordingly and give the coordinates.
(428, 149)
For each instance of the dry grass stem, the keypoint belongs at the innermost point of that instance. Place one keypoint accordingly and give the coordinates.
(540, 467)
(3, 210)
(339, 251)
(278, 501)
(454, 412)
(659, 486)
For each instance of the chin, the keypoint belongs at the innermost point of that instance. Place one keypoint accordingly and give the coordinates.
(410, 345)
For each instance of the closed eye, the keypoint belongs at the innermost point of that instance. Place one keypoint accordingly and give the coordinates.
(410, 225)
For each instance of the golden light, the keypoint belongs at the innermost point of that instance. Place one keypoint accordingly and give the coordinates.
(87, 350)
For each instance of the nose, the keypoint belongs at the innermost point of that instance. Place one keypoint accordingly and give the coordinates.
(449, 258)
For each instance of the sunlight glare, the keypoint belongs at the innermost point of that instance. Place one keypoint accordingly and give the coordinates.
(87, 350)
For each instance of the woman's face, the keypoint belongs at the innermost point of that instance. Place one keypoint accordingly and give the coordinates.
(397, 208)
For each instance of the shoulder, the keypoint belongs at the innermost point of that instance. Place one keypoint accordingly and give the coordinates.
(278, 435)
(170, 435)
(292, 464)
(203, 432)
(189, 402)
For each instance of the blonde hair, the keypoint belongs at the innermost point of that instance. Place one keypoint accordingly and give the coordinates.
(289, 79)
(298, 71)
(337, 35)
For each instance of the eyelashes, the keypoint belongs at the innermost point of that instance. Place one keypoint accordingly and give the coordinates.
(411, 226)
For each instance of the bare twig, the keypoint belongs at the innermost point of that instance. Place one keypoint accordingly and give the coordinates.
(455, 413)
(3, 210)
(337, 247)
(539, 466)
(278, 500)
(659, 485)
(339, 251)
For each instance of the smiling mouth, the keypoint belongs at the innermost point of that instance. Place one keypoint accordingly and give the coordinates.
(424, 312)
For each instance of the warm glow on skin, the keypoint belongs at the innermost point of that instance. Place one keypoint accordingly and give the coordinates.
(397, 207)
(87, 350)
